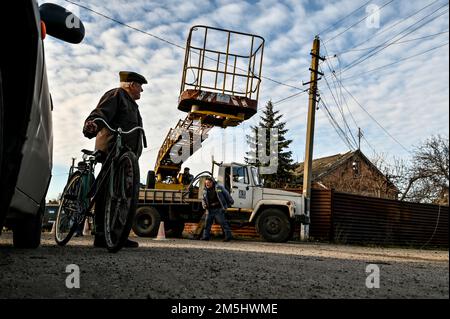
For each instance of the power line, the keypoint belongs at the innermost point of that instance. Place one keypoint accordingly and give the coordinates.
(331, 68)
(336, 100)
(356, 124)
(348, 109)
(387, 44)
(336, 125)
(342, 19)
(395, 24)
(289, 97)
(370, 145)
(125, 24)
(378, 123)
(401, 42)
(166, 41)
(341, 112)
(353, 25)
(342, 135)
(396, 62)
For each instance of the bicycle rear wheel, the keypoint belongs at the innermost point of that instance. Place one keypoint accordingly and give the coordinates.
(71, 211)
(121, 201)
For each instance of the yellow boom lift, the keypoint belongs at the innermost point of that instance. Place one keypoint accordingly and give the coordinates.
(219, 87)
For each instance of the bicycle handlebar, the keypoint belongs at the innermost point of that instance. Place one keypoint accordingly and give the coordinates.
(119, 130)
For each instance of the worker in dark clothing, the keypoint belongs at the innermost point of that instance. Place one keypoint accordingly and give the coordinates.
(187, 177)
(216, 200)
(118, 108)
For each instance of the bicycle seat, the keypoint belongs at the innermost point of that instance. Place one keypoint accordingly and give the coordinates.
(87, 152)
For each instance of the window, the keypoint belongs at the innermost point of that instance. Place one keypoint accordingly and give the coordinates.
(256, 178)
(240, 175)
(356, 169)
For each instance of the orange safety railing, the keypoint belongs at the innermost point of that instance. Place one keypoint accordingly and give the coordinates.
(223, 61)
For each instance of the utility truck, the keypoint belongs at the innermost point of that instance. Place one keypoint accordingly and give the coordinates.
(273, 212)
(220, 88)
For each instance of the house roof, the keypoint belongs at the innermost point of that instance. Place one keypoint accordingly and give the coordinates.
(325, 165)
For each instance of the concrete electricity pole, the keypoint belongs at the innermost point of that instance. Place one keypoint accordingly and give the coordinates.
(307, 171)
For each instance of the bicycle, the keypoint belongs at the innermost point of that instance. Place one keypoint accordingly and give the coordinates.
(119, 176)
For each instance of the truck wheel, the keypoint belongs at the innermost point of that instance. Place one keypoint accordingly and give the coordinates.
(27, 230)
(146, 222)
(273, 225)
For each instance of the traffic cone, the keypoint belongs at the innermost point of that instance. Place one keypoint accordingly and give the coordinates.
(161, 232)
(86, 227)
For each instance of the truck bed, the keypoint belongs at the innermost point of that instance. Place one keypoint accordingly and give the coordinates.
(167, 196)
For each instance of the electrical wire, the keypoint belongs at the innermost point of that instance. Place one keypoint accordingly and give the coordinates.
(342, 19)
(394, 63)
(359, 21)
(401, 42)
(289, 97)
(342, 113)
(166, 41)
(375, 120)
(387, 44)
(336, 126)
(395, 24)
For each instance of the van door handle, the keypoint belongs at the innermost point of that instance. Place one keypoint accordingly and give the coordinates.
(235, 187)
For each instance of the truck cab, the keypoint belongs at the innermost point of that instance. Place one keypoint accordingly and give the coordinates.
(274, 212)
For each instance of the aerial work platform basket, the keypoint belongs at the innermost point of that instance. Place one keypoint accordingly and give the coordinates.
(221, 76)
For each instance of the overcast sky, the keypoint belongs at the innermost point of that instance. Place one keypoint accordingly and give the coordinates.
(409, 99)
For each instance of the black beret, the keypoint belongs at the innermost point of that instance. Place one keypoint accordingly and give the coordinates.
(128, 76)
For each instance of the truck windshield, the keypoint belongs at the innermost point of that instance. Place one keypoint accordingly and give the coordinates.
(255, 175)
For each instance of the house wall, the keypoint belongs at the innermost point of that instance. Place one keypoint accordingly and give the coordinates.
(366, 181)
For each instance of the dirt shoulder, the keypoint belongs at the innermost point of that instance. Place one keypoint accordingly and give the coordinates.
(239, 269)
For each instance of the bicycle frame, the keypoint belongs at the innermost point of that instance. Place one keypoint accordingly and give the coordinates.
(104, 175)
(83, 188)
(108, 166)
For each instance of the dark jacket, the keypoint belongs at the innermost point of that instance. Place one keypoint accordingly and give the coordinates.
(224, 197)
(118, 109)
(186, 179)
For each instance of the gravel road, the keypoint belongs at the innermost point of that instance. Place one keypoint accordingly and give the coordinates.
(181, 268)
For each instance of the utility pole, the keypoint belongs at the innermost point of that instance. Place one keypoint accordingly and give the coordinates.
(307, 171)
(359, 138)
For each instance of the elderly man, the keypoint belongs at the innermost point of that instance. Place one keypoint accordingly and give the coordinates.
(118, 108)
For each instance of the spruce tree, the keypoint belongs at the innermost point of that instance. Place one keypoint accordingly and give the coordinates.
(271, 119)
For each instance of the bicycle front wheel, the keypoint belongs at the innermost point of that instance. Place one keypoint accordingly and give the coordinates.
(121, 201)
(70, 213)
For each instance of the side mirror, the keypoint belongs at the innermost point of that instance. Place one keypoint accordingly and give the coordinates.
(61, 24)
